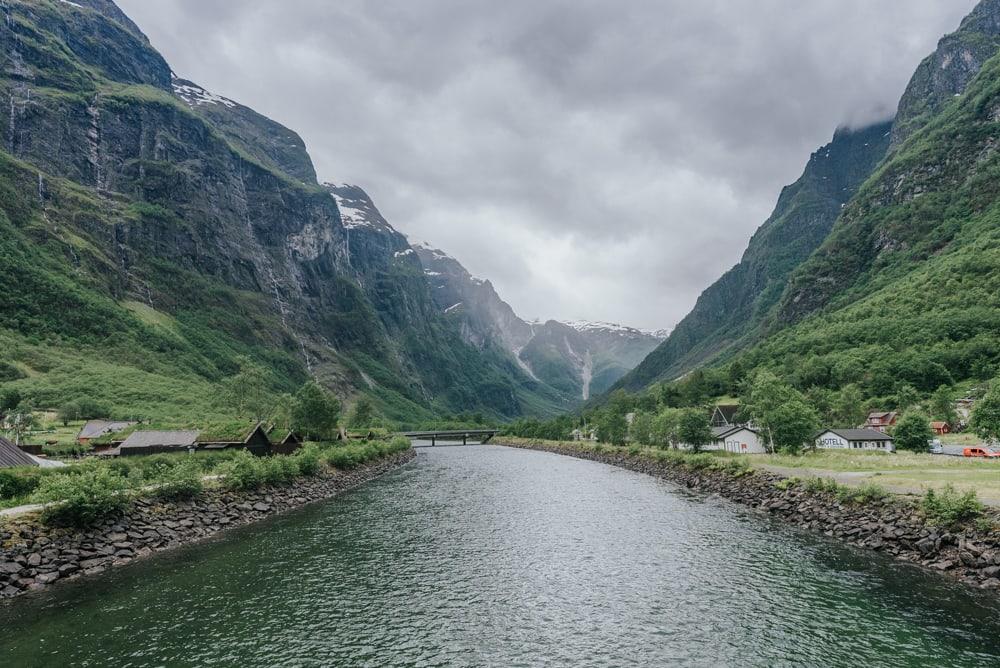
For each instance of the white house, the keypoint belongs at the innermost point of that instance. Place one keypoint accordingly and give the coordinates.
(742, 440)
(854, 439)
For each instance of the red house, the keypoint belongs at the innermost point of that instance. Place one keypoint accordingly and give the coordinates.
(940, 428)
(881, 422)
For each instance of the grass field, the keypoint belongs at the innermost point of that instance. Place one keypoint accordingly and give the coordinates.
(903, 472)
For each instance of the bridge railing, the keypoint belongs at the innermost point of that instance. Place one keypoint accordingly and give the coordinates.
(480, 435)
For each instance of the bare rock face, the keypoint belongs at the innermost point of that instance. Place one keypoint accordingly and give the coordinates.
(128, 185)
(947, 72)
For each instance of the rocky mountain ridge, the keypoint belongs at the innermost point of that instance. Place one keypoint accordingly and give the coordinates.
(577, 359)
(898, 293)
(155, 237)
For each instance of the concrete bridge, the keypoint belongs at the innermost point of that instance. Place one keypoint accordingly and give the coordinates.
(464, 435)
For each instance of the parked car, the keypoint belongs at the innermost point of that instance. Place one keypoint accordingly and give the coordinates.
(980, 452)
(936, 447)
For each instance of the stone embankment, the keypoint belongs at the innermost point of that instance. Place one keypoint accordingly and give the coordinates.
(34, 556)
(895, 526)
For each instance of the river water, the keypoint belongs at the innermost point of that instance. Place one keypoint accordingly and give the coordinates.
(489, 556)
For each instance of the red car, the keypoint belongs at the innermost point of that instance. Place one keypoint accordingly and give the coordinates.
(980, 452)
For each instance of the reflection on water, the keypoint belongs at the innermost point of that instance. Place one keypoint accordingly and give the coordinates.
(489, 556)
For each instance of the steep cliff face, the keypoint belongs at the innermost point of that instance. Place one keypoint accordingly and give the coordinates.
(733, 310)
(573, 360)
(946, 72)
(190, 232)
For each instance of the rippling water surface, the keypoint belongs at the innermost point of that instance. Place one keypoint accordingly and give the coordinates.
(488, 556)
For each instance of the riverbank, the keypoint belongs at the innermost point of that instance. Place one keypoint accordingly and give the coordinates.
(865, 517)
(34, 556)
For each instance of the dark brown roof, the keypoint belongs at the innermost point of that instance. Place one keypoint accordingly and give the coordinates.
(11, 455)
(153, 439)
(860, 434)
(98, 428)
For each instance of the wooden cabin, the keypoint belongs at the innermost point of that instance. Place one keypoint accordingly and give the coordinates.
(255, 441)
(288, 445)
(940, 428)
(97, 428)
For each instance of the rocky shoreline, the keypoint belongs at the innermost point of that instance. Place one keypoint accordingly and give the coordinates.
(34, 556)
(894, 527)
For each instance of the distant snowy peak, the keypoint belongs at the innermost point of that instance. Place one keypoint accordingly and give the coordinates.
(195, 96)
(614, 328)
(356, 208)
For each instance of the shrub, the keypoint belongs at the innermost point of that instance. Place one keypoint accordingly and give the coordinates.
(819, 485)
(949, 507)
(182, 482)
(279, 470)
(244, 471)
(84, 499)
(786, 484)
(308, 459)
(867, 493)
(15, 483)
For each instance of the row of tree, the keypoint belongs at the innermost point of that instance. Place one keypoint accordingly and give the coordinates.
(787, 419)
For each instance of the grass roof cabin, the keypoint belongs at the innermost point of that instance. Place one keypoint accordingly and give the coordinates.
(237, 437)
(95, 429)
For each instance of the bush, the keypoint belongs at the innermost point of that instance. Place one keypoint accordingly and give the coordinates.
(949, 507)
(182, 482)
(15, 483)
(308, 460)
(84, 499)
(819, 485)
(867, 493)
(244, 471)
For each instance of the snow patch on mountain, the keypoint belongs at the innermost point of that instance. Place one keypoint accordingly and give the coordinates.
(195, 96)
(585, 326)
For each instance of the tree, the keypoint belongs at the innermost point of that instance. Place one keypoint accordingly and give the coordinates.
(849, 407)
(21, 421)
(68, 412)
(906, 397)
(315, 411)
(665, 427)
(694, 429)
(247, 391)
(612, 427)
(281, 412)
(9, 400)
(643, 428)
(694, 389)
(986, 415)
(781, 412)
(913, 432)
(363, 413)
(942, 405)
(735, 376)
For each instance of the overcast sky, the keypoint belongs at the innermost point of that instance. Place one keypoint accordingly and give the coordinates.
(595, 159)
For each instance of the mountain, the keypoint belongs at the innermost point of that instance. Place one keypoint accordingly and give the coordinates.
(902, 291)
(154, 237)
(575, 360)
(733, 309)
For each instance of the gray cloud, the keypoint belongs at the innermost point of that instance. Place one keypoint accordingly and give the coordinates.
(595, 159)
